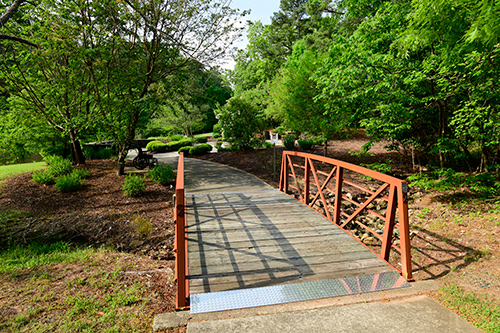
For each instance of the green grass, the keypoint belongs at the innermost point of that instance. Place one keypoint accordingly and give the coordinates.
(7, 171)
(63, 288)
(482, 312)
(203, 135)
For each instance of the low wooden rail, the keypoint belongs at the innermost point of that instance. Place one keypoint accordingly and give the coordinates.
(377, 216)
(180, 246)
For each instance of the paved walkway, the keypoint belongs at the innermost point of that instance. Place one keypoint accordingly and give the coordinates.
(212, 181)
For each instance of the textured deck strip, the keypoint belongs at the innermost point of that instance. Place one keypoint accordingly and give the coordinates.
(279, 294)
(264, 238)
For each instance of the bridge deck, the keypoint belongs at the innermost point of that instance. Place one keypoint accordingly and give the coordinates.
(258, 238)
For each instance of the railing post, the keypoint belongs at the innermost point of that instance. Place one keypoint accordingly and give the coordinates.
(307, 169)
(404, 231)
(180, 236)
(389, 223)
(338, 195)
(285, 172)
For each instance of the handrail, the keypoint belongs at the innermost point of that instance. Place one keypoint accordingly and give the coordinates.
(180, 246)
(396, 200)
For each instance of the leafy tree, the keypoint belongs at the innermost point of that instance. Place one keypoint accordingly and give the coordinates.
(240, 122)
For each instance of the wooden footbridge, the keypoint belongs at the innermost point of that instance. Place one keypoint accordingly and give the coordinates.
(332, 229)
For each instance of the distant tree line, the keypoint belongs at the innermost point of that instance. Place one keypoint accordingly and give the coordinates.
(421, 74)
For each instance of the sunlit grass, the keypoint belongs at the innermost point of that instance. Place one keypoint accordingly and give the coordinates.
(7, 171)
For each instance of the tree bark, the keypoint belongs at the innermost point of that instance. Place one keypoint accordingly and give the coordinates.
(76, 149)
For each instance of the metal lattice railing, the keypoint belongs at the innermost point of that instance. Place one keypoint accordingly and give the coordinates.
(369, 205)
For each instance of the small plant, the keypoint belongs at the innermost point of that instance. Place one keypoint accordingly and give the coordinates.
(266, 144)
(162, 174)
(217, 131)
(143, 225)
(69, 183)
(134, 185)
(82, 173)
(176, 137)
(43, 177)
(201, 149)
(202, 139)
(58, 166)
(306, 143)
(289, 141)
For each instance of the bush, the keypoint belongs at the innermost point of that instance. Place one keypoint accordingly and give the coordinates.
(240, 121)
(162, 174)
(201, 139)
(201, 149)
(184, 150)
(82, 173)
(58, 166)
(217, 131)
(43, 177)
(134, 185)
(306, 143)
(69, 183)
(289, 141)
(154, 146)
(175, 145)
(100, 154)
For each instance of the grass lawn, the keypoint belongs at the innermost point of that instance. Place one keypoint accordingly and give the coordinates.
(203, 135)
(7, 171)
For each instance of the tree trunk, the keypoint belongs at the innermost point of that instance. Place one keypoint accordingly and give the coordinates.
(76, 149)
(325, 152)
(120, 164)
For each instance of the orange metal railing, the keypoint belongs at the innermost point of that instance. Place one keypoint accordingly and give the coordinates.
(180, 245)
(359, 200)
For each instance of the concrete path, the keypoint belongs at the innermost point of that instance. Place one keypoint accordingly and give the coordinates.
(404, 310)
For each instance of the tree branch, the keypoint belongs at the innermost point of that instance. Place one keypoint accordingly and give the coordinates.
(11, 11)
(18, 39)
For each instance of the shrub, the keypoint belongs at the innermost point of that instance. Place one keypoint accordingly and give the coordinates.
(240, 121)
(184, 150)
(289, 141)
(175, 145)
(69, 183)
(201, 139)
(201, 149)
(103, 154)
(162, 174)
(58, 166)
(134, 185)
(216, 133)
(176, 137)
(306, 143)
(43, 177)
(82, 173)
(154, 146)
(266, 144)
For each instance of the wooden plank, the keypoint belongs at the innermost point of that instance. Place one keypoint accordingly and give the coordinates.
(212, 284)
(225, 265)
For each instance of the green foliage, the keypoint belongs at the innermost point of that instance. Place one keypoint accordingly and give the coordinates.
(176, 137)
(100, 154)
(306, 143)
(70, 182)
(289, 141)
(153, 146)
(58, 165)
(200, 149)
(217, 129)
(201, 140)
(162, 174)
(240, 122)
(484, 184)
(184, 150)
(134, 185)
(43, 177)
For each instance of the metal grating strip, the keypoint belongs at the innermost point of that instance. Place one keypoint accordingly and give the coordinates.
(252, 297)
